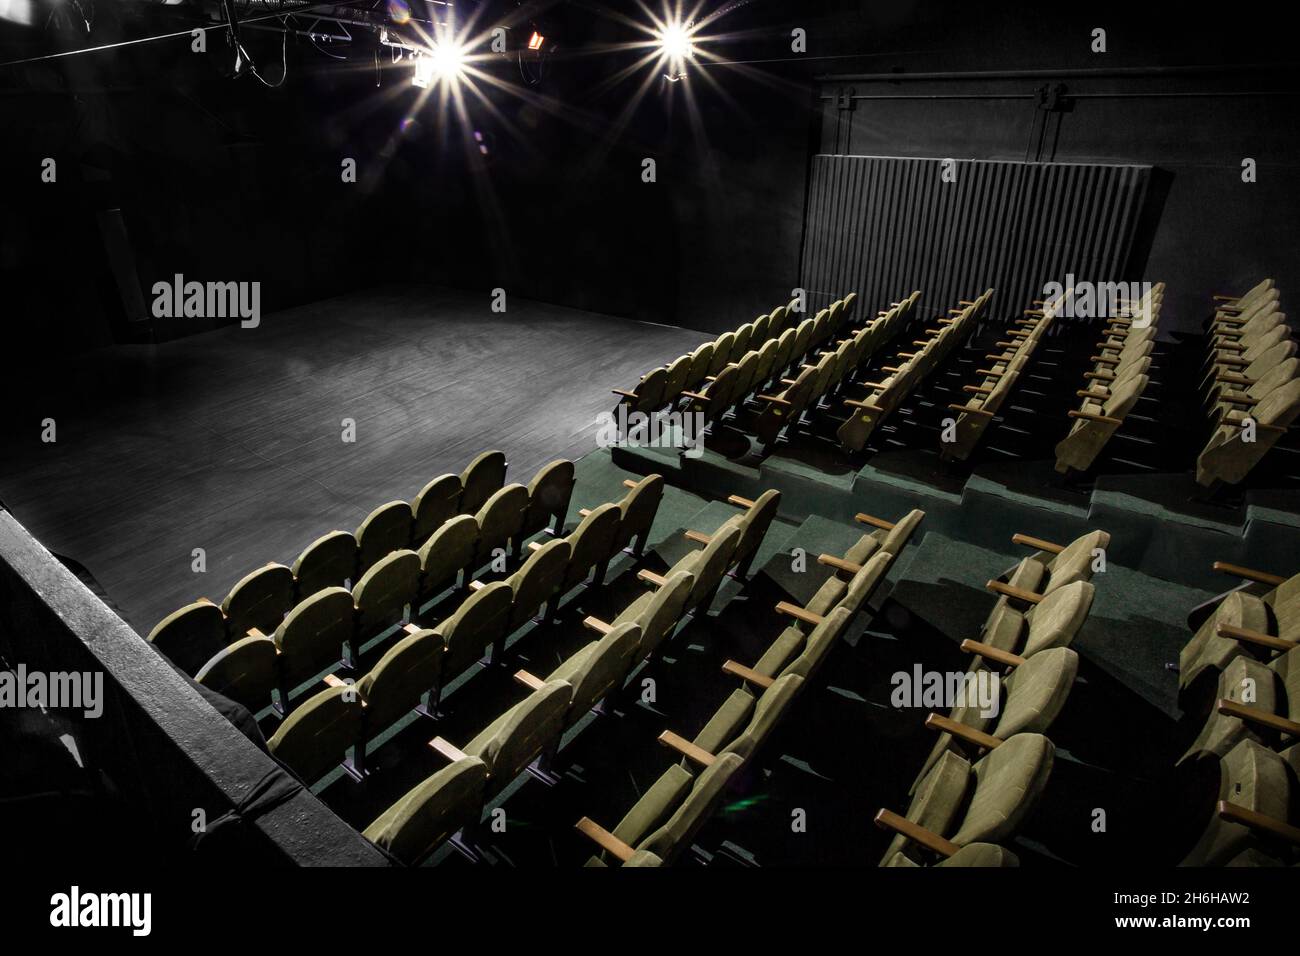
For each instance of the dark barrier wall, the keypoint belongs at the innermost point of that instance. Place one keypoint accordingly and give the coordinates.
(164, 748)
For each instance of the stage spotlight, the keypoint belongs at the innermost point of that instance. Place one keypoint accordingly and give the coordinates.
(448, 59)
(675, 43)
(535, 41)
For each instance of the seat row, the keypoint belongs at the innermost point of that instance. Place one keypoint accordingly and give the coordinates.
(1251, 384)
(1023, 336)
(833, 371)
(880, 399)
(453, 797)
(989, 767)
(663, 823)
(334, 624)
(1115, 383)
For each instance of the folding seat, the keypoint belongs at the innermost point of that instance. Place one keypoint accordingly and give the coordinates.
(656, 613)
(593, 546)
(821, 329)
(649, 395)
(794, 651)
(740, 345)
(448, 554)
(835, 592)
(397, 684)
(701, 360)
(890, 537)
(1030, 699)
(1228, 456)
(803, 339)
(191, 635)
(777, 320)
(1243, 357)
(975, 415)
(636, 514)
(1095, 423)
(511, 742)
(315, 636)
(382, 594)
(785, 406)
(1253, 810)
(1230, 400)
(741, 725)
(385, 530)
(593, 672)
(1011, 636)
(753, 524)
(678, 371)
(746, 370)
(765, 367)
(761, 326)
(315, 738)
(723, 352)
(870, 411)
(500, 521)
(718, 396)
(548, 499)
(1264, 325)
(244, 671)
(1248, 375)
(478, 624)
(1245, 323)
(329, 561)
(435, 504)
(431, 812)
(1256, 701)
(708, 565)
(665, 821)
(1051, 566)
(1229, 304)
(259, 600)
(480, 479)
(1243, 623)
(960, 803)
(537, 582)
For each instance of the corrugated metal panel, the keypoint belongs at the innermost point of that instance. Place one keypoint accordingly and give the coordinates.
(887, 225)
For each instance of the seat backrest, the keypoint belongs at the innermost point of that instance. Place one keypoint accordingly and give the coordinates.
(864, 583)
(741, 343)
(712, 563)
(650, 391)
(637, 510)
(663, 611)
(538, 579)
(677, 832)
(722, 352)
(329, 561)
(385, 530)
(768, 711)
(1055, 620)
(592, 542)
(701, 360)
(817, 646)
(482, 476)
(607, 663)
(500, 519)
(449, 550)
(1036, 691)
(678, 369)
(244, 671)
(435, 503)
(312, 636)
(190, 635)
(754, 524)
(396, 683)
(1009, 779)
(384, 591)
(260, 599)
(1075, 562)
(431, 812)
(530, 727)
(901, 532)
(480, 621)
(316, 736)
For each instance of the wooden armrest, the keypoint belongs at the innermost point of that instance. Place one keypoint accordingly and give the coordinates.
(583, 512)
(1235, 347)
(1038, 544)
(987, 651)
(966, 302)
(1102, 361)
(624, 392)
(658, 580)
(889, 820)
(1234, 379)
(531, 681)
(788, 381)
(872, 520)
(739, 502)
(476, 585)
(1019, 594)
(1256, 715)
(798, 613)
(1006, 345)
(1237, 571)
(1104, 376)
(699, 537)
(969, 410)
(907, 355)
(977, 389)
(1232, 361)
(869, 406)
(1004, 357)
(447, 749)
(256, 632)
(990, 372)
(687, 749)
(1234, 813)
(333, 680)
(838, 564)
(955, 727)
(604, 839)
(534, 546)
(696, 395)
(774, 399)
(1089, 416)
(1249, 636)
(747, 674)
(630, 483)
(891, 369)
(1089, 393)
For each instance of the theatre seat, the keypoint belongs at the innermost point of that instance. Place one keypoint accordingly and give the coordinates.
(383, 593)
(708, 565)
(741, 725)
(315, 636)
(245, 671)
(329, 561)
(385, 530)
(500, 522)
(398, 682)
(1051, 622)
(1253, 811)
(656, 613)
(592, 542)
(481, 477)
(636, 514)
(315, 738)
(435, 503)
(548, 499)
(447, 555)
(431, 812)
(260, 600)
(191, 635)
(478, 624)
(536, 583)
(1256, 701)
(593, 671)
